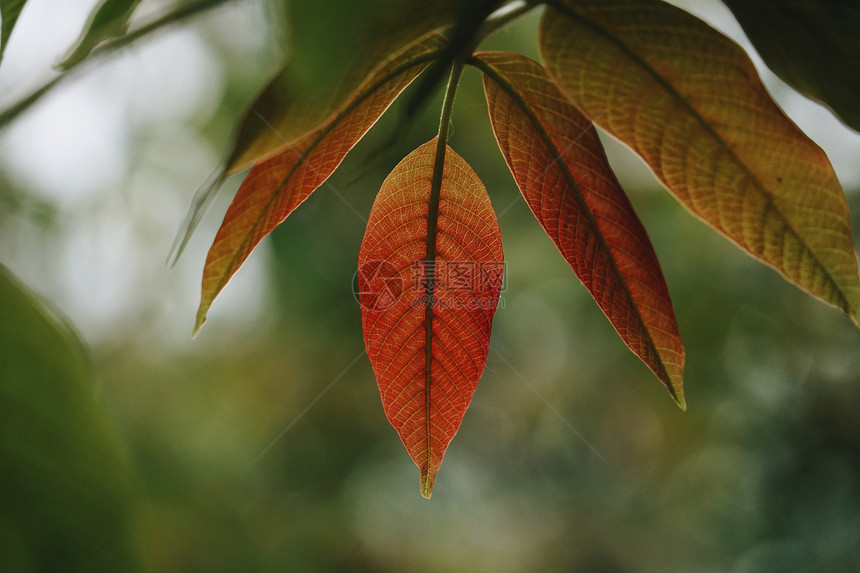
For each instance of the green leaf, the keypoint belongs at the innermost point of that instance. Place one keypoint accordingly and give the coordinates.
(9, 12)
(689, 101)
(814, 45)
(65, 489)
(108, 20)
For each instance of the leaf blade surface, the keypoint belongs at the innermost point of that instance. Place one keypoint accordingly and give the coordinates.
(690, 103)
(559, 165)
(428, 344)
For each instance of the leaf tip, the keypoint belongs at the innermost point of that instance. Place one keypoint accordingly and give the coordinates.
(678, 396)
(855, 316)
(201, 320)
(427, 479)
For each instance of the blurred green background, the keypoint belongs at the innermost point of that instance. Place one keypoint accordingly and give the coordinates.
(262, 444)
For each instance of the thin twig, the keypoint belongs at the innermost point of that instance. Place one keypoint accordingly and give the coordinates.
(109, 47)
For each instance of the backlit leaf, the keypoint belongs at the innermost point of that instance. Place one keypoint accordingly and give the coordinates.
(814, 45)
(108, 20)
(560, 167)
(427, 324)
(66, 494)
(9, 12)
(275, 187)
(689, 102)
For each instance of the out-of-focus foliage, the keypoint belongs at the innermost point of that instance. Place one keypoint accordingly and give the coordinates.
(109, 19)
(66, 497)
(9, 12)
(688, 100)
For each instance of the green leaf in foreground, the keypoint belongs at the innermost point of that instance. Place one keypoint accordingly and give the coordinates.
(65, 490)
(9, 12)
(108, 20)
(690, 103)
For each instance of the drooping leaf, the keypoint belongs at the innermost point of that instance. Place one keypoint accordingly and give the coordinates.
(430, 272)
(689, 102)
(559, 165)
(275, 187)
(66, 499)
(814, 45)
(9, 12)
(109, 19)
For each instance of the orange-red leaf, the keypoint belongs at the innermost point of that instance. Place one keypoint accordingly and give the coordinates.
(275, 187)
(559, 165)
(688, 100)
(427, 326)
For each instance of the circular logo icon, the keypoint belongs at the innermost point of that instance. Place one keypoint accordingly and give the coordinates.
(376, 285)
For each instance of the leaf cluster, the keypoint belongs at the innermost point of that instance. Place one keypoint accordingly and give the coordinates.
(680, 94)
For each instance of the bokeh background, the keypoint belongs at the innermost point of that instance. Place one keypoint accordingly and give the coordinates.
(262, 444)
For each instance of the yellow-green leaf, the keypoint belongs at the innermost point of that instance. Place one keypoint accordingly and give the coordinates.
(690, 103)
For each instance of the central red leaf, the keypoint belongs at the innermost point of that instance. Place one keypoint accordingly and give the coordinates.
(427, 321)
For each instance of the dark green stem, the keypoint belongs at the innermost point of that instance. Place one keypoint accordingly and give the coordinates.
(184, 12)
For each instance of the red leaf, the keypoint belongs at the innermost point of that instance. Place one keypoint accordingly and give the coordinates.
(275, 187)
(560, 167)
(427, 326)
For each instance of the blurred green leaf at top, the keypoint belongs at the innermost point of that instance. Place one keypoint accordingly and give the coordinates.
(109, 19)
(9, 12)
